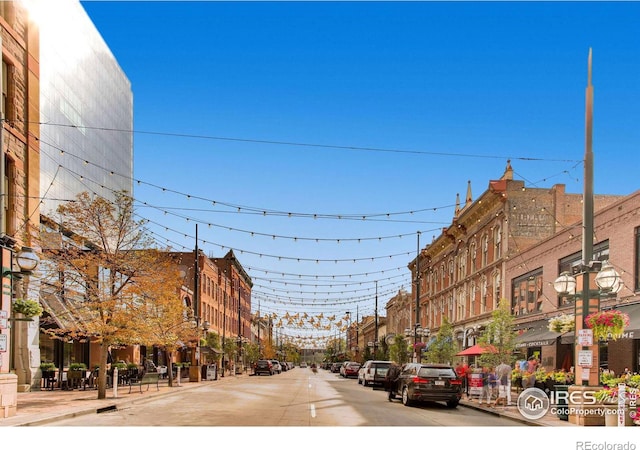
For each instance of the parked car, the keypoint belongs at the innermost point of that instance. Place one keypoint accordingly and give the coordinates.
(343, 365)
(303, 365)
(263, 366)
(429, 382)
(373, 372)
(335, 367)
(277, 368)
(351, 369)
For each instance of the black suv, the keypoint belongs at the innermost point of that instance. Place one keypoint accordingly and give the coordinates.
(263, 366)
(429, 382)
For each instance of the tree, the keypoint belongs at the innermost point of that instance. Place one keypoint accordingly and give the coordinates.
(443, 348)
(399, 350)
(165, 317)
(106, 270)
(499, 334)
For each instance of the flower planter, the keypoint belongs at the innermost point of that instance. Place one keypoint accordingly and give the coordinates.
(611, 416)
(562, 403)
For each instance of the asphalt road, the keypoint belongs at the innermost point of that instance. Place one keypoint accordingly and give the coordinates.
(297, 398)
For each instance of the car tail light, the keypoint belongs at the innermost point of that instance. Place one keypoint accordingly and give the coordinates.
(418, 380)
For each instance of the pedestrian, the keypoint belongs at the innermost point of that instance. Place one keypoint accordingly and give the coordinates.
(391, 380)
(486, 386)
(504, 373)
(461, 372)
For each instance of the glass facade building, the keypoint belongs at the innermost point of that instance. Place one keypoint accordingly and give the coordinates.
(86, 110)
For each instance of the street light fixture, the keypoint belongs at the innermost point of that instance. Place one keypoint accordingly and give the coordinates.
(608, 282)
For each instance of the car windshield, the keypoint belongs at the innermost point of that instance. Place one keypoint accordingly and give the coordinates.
(436, 372)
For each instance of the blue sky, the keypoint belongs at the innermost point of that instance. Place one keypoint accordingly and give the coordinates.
(363, 109)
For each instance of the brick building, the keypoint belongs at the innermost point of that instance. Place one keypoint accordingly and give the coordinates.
(462, 271)
(531, 272)
(19, 186)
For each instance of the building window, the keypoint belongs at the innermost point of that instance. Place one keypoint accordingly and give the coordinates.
(5, 88)
(527, 293)
(483, 296)
(473, 252)
(636, 269)
(462, 265)
(497, 281)
(497, 238)
(485, 250)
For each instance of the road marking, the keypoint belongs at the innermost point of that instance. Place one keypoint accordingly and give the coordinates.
(313, 411)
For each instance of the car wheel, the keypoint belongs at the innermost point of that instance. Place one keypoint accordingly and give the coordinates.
(452, 403)
(406, 401)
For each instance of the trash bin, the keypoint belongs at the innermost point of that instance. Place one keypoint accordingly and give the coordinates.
(211, 372)
(203, 372)
(562, 404)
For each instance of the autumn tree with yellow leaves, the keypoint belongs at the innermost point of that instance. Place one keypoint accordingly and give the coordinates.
(118, 288)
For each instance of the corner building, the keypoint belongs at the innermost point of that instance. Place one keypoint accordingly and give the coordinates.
(462, 271)
(86, 142)
(19, 188)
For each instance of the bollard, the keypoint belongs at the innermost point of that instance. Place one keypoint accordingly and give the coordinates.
(115, 382)
(178, 372)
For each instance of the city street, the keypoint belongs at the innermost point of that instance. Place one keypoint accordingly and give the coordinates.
(297, 397)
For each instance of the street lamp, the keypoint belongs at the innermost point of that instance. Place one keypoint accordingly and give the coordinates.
(608, 282)
(26, 260)
(348, 347)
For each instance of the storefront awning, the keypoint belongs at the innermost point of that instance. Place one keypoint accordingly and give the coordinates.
(61, 315)
(536, 337)
(630, 332)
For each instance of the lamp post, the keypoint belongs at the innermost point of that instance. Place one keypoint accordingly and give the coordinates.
(348, 347)
(224, 320)
(239, 327)
(587, 301)
(416, 352)
(25, 261)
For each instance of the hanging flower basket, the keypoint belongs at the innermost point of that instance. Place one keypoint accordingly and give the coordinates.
(28, 308)
(607, 324)
(563, 323)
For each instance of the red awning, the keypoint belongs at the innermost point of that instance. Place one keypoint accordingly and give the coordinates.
(477, 350)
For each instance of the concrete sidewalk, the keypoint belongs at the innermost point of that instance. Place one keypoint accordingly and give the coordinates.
(45, 407)
(512, 413)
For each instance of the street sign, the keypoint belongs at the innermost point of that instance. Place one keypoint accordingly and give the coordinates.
(585, 337)
(585, 357)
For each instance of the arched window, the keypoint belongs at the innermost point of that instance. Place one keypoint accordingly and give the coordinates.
(497, 239)
(473, 251)
(485, 250)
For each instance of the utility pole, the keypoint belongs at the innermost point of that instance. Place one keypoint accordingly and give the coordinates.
(417, 324)
(375, 342)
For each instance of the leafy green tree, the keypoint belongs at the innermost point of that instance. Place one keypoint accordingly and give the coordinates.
(252, 352)
(399, 350)
(500, 335)
(443, 349)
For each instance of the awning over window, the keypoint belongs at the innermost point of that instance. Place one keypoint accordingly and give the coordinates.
(61, 315)
(536, 337)
(631, 332)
